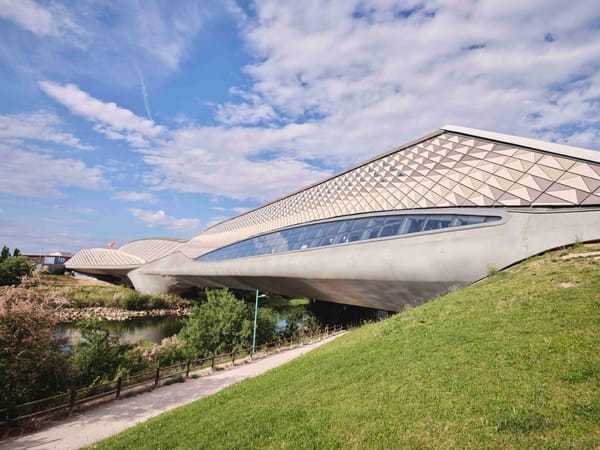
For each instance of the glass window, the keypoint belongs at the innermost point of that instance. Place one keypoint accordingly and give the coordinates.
(332, 229)
(354, 236)
(346, 226)
(413, 225)
(341, 232)
(391, 229)
(359, 224)
(460, 221)
(341, 238)
(394, 219)
(373, 233)
(377, 221)
(437, 222)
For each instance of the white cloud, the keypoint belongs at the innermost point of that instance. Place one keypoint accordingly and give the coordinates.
(42, 20)
(336, 82)
(241, 210)
(30, 237)
(41, 175)
(372, 74)
(40, 126)
(228, 162)
(110, 119)
(166, 30)
(339, 81)
(161, 219)
(136, 197)
(251, 111)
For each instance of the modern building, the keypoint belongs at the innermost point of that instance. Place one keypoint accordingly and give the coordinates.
(49, 262)
(403, 227)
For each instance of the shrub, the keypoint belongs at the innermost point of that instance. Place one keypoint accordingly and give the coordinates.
(100, 357)
(32, 363)
(13, 269)
(158, 302)
(170, 351)
(135, 301)
(221, 324)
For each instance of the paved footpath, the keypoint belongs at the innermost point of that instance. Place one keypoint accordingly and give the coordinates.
(98, 423)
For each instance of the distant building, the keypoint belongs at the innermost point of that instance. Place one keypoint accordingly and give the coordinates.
(50, 262)
(429, 216)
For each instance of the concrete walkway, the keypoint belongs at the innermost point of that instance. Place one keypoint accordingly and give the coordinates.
(96, 424)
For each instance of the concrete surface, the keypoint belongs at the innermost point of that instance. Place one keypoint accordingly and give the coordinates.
(98, 423)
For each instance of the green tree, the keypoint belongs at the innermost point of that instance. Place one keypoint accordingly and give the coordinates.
(13, 269)
(32, 363)
(221, 324)
(99, 357)
(5, 253)
(266, 326)
(16, 252)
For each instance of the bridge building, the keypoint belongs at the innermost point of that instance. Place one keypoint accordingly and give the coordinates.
(432, 215)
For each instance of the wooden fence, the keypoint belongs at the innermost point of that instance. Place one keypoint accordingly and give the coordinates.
(67, 402)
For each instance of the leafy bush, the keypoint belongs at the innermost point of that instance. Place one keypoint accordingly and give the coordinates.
(135, 301)
(32, 363)
(13, 268)
(100, 357)
(222, 324)
(170, 351)
(158, 302)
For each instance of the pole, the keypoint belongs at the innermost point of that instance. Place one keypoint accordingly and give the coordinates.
(255, 320)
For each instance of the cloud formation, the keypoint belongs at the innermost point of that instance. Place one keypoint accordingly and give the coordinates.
(335, 83)
(161, 219)
(145, 197)
(35, 174)
(379, 72)
(49, 20)
(39, 126)
(112, 120)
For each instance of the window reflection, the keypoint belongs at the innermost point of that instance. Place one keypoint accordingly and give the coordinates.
(341, 232)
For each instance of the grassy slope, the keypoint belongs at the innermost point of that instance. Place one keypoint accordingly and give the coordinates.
(512, 362)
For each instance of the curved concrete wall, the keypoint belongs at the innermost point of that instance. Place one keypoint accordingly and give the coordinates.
(387, 273)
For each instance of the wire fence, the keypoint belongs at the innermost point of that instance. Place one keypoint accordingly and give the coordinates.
(67, 402)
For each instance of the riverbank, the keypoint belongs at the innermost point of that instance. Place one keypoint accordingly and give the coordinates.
(115, 314)
(90, 426)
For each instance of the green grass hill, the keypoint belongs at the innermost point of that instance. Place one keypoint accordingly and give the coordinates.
(509, 362)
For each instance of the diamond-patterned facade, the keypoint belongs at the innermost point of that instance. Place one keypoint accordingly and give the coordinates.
(447, 170)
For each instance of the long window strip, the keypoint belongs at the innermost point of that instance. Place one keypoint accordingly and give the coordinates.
(341, 232)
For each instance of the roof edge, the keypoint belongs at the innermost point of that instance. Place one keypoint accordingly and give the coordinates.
(535, 144)
(330, 177)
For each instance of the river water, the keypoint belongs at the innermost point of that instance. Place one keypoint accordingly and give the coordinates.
(152, 329)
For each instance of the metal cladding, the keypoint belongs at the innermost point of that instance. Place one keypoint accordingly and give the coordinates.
(448, 169)
(547, 195)
(131, 255)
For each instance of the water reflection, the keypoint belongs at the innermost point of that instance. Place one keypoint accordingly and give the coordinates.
(152, 329)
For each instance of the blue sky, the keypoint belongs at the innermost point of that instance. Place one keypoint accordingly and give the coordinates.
(128, 119)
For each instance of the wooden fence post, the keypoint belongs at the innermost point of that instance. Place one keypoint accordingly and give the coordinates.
(119, 383)
(187, 369)
(212, 361)
(72, 394)
(233, 357)
(157, 377)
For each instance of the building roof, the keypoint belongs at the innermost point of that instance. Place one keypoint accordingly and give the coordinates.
(453, 167)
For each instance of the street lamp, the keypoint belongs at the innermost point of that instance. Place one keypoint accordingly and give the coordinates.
(255, 321)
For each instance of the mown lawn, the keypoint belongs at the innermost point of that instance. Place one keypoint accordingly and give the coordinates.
(511, 362)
